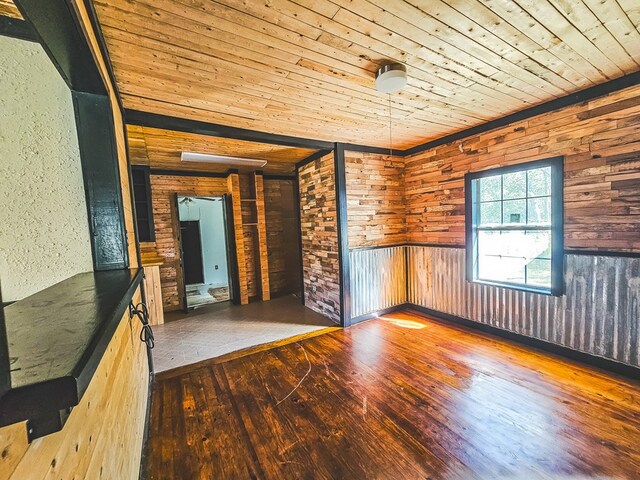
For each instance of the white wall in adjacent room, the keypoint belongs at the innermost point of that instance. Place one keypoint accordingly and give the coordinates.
(211, 217)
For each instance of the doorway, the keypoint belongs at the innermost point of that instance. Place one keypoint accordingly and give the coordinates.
(204, 250)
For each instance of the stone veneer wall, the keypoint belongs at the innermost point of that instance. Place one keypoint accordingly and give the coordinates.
(320, 237)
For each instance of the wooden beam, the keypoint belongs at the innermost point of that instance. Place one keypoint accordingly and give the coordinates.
(343, 234)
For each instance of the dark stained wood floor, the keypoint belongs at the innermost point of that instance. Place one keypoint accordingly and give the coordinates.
(394, 398)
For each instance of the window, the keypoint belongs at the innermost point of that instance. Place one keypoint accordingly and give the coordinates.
(142, 197)
(514, 226)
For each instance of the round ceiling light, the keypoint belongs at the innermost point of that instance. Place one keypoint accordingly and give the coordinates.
(391, 78)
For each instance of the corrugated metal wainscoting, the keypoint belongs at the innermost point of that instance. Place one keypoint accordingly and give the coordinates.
(599, 314)
(378, 279)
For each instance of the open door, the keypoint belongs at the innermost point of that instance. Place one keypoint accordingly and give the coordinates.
(181, 280)
(232, 256)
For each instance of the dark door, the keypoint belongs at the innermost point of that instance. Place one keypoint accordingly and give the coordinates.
(191, 252)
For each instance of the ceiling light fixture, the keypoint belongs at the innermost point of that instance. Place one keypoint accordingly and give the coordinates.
(222, 159)
(391, 77)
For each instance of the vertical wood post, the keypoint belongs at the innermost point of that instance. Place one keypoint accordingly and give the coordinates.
(343, 238)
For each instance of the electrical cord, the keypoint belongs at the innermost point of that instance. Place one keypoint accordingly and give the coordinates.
(146, 334)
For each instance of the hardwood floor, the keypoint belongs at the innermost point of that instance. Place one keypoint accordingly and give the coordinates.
(397, 397)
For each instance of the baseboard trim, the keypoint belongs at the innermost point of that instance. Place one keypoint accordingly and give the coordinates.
(602, 363)
(377, 313)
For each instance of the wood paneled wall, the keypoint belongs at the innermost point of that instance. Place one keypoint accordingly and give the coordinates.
(165, 217)
(254, 235)
(320, 262)
(600, 140)
(102, 437)
(282, 236)
(375, 199)
(250, 231)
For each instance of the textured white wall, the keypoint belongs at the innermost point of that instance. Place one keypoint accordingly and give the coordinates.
(44, 233)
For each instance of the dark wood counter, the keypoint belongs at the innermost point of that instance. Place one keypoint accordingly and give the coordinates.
(51, 344)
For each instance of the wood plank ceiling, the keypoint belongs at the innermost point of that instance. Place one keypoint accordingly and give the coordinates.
(161, 149)
(9, 9)
(306, 67)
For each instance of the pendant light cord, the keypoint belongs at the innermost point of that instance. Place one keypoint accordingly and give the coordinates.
(390, 136)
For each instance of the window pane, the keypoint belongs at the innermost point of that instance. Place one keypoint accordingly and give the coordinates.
(490, 243)
(490, 188)
(539, 272)
(490, 213)
(539, 210)
(539, 182)
(514, 211)
(501, 269)
(504, 255)
(514, 185)
(538, 244)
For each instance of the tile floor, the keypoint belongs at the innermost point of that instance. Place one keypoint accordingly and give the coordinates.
(214, 330)
(202, 294)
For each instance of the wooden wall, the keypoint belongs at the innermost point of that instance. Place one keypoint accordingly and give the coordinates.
(250, 231)
(375, 200)
(320, 237)
(165, 217)
(102, 437)
(600, 140)
(282, 236)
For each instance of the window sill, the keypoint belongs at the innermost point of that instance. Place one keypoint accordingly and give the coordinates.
(522, 288)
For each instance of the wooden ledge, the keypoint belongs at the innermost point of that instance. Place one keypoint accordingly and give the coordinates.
(52, 342)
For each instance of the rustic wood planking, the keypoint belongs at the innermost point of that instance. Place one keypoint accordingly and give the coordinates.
(161, 149)
(600, 140)
(9, 9)
(102, 437)
(398, 397)
(309, 68)
(375, 200)
(282, 231)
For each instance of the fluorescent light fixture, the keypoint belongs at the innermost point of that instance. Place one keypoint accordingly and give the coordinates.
(222, 159)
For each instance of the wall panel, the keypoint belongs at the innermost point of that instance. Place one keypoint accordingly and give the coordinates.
(599, 313)
(165, 216)
(600, 140)
(102, 437)
(375, 200)
(282, 236)
(378, 279)
(320, 237)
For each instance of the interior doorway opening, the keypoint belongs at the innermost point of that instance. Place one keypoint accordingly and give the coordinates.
(204, 250)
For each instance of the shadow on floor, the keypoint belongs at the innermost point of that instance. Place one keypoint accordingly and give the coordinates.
(217, 329)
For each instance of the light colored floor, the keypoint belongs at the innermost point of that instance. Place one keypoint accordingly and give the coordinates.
(214, 330)
(199, 295)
